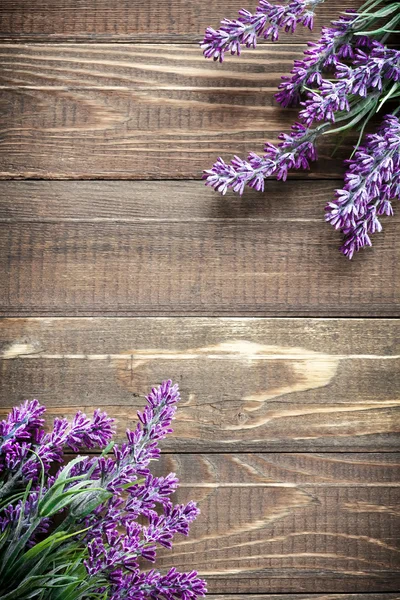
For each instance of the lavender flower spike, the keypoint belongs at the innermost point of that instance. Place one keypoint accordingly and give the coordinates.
(295, 151)
(21, 424)
(333, 45)
(265, 22)
(372, 182)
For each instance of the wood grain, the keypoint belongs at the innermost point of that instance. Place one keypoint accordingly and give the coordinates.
(139, 111)
(247, 384)
(379, 596)
(140, 248)
(131, 20)
(287, 430)
(289, 522)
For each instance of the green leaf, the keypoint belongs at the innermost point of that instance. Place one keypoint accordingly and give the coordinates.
(51, 499)
(391, 94)
(126, 486)
(385, 28)
(359, 112)
(91, 505)
(65, 499)
(61, 481)
(107, 449)
(16, 546)
(22, 513)
(10, 500)
(55, 538)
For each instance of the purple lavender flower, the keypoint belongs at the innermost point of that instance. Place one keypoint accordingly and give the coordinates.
(21, 424)
(335, 43)
(347, 76)
(11, 517)
(265, 22)
(176, 519)
(24, 446)
(155, 490)
(154, 425)
(295, 151)
(372, 182)
(171, 586)
(323, 104)
(371, 65)
(370, 70)
(81, 433)
(98, 502)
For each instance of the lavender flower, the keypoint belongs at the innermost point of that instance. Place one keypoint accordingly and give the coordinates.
(372, 182)
(368, 74)
(20, 514)
(20, 426)
(27, 458)
(370, 70)
(265, 22)
(171, 586)
(155, 490)
(296, 151)
(335, 43)
(132, 458)
(84, 530)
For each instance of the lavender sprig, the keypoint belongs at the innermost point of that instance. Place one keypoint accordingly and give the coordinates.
(295, 151)
(21, 425)
(266, 22)
(372, 182)
(148, 586)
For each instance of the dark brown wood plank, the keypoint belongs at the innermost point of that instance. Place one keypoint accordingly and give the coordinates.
(140, 112)
(247, 384)
(178, 248)
(127, 20)
(379, 596)
(289, 522)
(267, 470)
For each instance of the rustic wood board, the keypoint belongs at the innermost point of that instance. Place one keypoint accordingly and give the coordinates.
(132, 20)
(141, 111)
(247, 384)
(381, 596)
(124, 248)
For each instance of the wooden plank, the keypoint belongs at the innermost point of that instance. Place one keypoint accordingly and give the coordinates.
(247, 384)
(124, 20)
(379, 596)
(124, 248)
(287, 523)
(173, 201)
(140, 112)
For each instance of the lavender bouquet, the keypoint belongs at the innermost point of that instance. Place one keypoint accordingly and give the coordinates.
(344, 79)
(73, 532)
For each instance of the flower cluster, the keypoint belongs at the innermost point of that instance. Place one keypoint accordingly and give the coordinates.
(345, 77)
(86, 527)
(371, 183)
(24, 445)
(366, 76)
(337, 43)
(266, 22)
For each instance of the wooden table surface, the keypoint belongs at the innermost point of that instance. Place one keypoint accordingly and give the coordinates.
(119, 269)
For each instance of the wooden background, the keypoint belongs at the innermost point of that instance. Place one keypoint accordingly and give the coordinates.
(119, 269)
